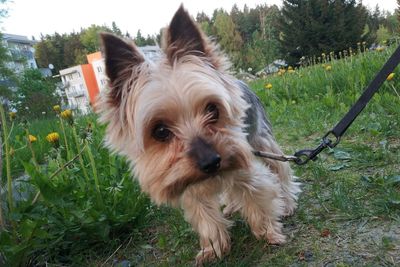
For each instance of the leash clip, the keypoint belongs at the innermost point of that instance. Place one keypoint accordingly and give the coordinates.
(305, 155)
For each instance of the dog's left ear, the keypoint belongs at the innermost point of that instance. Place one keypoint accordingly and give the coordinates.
(183, 37)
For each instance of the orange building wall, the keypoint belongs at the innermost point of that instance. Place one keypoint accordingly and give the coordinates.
(93, 56)
(90, 80)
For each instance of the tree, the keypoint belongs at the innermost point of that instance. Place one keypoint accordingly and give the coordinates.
(247, 22)
(49, 50)
(205, 23)
(62, 51)
(382, 34)
(68, 50)
(74, 52)
(391, 23)
(90, 37)
(398, 14)
(36, 94)
(7, 76)
(139, 39)
(115, 29)
(228, 37)
(312, 27)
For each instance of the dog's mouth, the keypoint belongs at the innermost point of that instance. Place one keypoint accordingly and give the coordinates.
(181, 184)
(197, 175)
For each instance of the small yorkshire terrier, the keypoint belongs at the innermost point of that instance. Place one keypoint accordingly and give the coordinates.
(189, 129)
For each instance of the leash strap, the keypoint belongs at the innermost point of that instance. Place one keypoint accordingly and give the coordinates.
(301, 157)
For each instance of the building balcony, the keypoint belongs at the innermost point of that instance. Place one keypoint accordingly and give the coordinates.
(76, 93)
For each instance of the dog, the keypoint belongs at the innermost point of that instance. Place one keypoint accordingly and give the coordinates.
(189, 129)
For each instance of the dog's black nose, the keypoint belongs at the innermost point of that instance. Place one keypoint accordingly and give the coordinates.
(211, 164)
(204, 155)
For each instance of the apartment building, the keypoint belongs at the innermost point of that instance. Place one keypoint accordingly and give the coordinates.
(21, 50)
(80, 87)
(97, 62)
(83, 83)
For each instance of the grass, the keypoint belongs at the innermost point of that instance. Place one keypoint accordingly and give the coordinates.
(348, 212)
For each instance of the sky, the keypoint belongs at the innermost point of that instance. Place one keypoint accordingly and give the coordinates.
(36, 17)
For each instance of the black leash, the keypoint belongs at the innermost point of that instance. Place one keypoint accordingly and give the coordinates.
(301, 157)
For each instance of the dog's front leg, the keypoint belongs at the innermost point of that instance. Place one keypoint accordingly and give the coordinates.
(202, 211)
(257, 193)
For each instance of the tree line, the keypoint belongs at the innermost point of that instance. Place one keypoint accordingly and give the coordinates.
(67, 50)
(252, 37)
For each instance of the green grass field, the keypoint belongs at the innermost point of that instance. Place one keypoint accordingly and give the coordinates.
(89, 213)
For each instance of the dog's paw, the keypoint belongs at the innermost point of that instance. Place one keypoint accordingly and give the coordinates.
(275, 238)
(212, 253)
(206, 255)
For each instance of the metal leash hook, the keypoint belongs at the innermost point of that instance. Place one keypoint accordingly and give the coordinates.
(305, 155)
(301, 157)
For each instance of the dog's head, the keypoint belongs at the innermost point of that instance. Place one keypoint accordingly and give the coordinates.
(178, 120)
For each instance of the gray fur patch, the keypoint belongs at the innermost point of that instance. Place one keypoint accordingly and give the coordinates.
(256, 120)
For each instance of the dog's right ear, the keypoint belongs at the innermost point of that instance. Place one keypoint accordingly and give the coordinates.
(121, 60)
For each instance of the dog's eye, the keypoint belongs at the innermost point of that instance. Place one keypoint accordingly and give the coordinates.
(161, 133)
(212, 112)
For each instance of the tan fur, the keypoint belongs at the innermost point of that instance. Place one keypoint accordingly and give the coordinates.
(176, 91)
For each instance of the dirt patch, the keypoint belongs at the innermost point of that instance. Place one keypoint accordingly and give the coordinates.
(355, 243)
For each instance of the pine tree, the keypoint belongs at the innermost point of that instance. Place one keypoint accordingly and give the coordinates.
(115, 29)
(139, 39)
(312, 27)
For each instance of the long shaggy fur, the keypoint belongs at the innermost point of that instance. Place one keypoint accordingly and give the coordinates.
(177, 93)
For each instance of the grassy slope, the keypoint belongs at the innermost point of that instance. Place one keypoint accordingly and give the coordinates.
(348, 212)
(349, 209)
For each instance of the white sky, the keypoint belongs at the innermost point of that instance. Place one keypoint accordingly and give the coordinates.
(33, 17)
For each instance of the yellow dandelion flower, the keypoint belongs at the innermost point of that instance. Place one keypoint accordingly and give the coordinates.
(268, 86)
(32, 138)
(53, 137)
(291, 71)
(380, 49)
(57, 108)
(12, 115)
(66, 114)
(290, 68)
(328, 67)
(390, 77)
